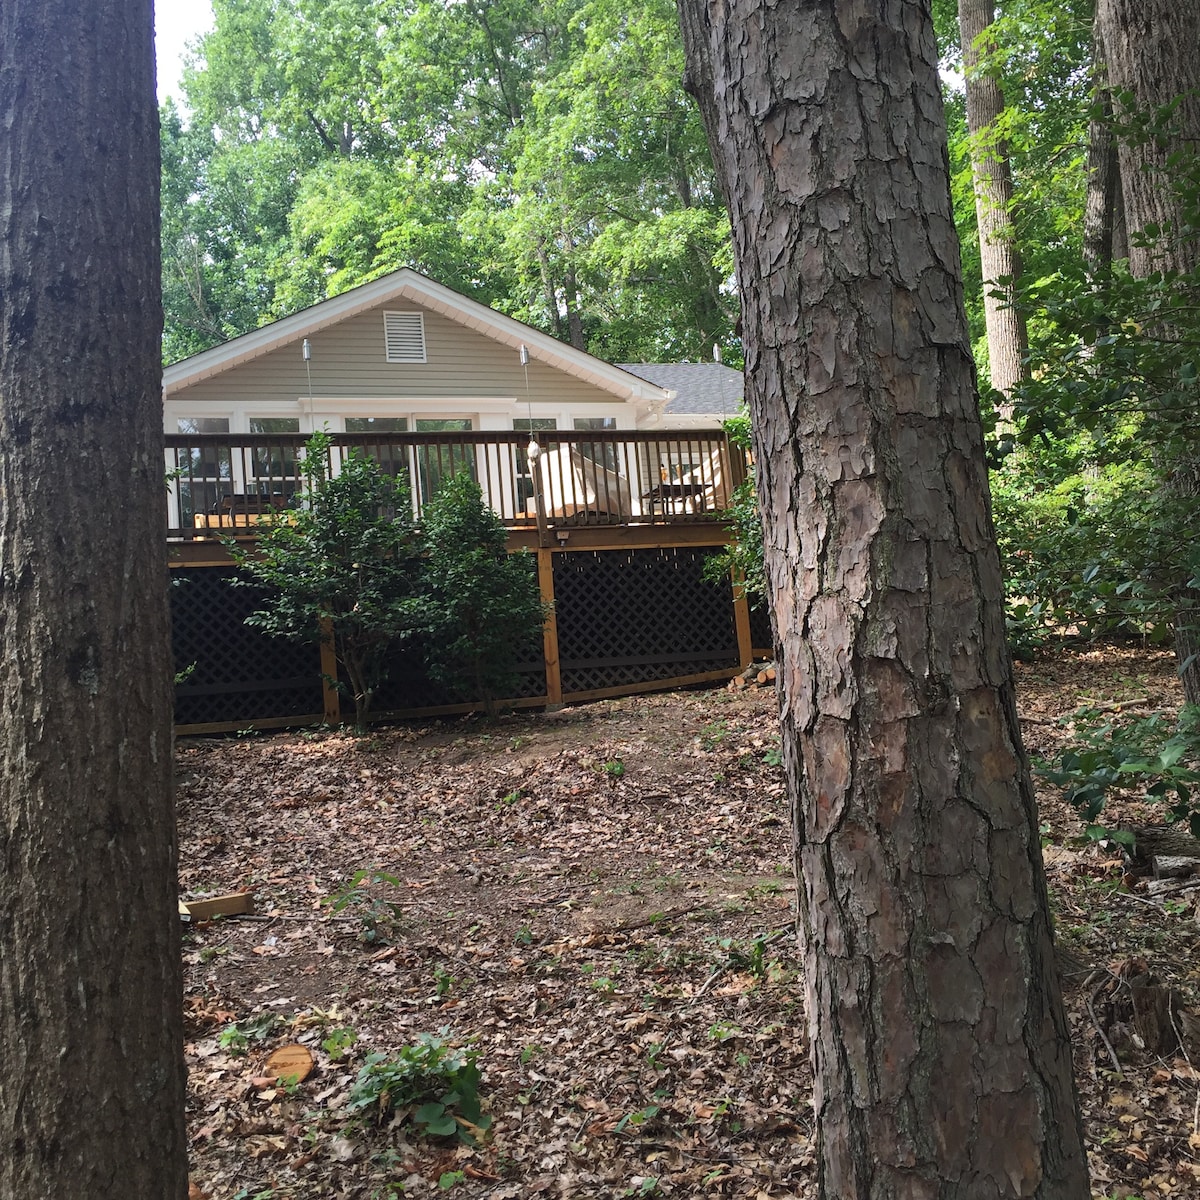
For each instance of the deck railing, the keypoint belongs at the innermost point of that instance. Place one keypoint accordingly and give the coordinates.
(222, 482)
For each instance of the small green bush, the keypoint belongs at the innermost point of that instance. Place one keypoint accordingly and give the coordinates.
(1147, 753)
(438, 1085)
(344, 565)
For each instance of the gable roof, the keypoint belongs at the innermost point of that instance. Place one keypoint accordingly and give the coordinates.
(701, 389)
(409, 285)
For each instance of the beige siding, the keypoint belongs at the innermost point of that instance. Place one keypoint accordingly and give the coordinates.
(348, 361)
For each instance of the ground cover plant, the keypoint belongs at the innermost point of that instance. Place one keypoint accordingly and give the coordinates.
(611, 950)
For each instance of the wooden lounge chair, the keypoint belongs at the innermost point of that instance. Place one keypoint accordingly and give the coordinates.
(576, 488)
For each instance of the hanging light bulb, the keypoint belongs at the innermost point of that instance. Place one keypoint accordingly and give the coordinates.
(533, 450)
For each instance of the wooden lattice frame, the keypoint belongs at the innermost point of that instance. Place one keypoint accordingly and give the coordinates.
(232, 672)
(627, 617)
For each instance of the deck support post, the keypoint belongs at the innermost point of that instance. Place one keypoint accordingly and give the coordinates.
(741, 621)
(545, 560)
(329, 674)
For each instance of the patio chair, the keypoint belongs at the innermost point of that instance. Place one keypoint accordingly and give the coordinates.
(575, 488)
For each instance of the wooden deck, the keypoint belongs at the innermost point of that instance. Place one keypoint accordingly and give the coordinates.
(619, 525)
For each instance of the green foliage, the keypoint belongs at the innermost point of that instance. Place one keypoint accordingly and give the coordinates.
(1113, 460)
(1038, 50)
(377, 917)
(542, 157)
(638, 1119)
(752, 958)
(481, 605)
(343, 565)
(237, 1038)
(1079, 555)
(1162, 762)
(339, 1042)
(743, 555)
(431, 1083)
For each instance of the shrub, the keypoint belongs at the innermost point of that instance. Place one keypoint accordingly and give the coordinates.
(343, 566)
(482, 604)
(437, 1083)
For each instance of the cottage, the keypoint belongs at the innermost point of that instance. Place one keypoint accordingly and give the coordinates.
(580, 458)
(464, 386)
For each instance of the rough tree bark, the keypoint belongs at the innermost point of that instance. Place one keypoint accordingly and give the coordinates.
(1007, 338)
(1104, 236)
(1151, 48)
(1153, 51)
(940, 1049)
(91, 1073)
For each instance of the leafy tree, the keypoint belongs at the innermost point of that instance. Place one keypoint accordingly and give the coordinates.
(482, 604)
(92, 1072)
(1110, 410)
(1037, 55)
(344, 567)
(940, 1046)
(536, 154)
(1152, 65)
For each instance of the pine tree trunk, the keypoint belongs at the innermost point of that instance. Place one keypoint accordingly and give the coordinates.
(1153, 51)
(939, 1041)
(1008, 341)
(91, 1065)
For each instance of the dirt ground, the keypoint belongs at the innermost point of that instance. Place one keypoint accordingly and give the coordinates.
(598, 904)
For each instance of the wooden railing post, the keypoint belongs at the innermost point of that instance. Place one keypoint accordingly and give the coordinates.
(329, 674)
(545, 559)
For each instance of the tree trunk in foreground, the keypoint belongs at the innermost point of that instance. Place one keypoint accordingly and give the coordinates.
(91, 1068)
(1007, 338)
(1153, 52)
(940, 1049)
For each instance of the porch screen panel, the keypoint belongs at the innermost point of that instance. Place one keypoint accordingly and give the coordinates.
(439, 461)
(205, 473)
(276, 469)
(391, 457)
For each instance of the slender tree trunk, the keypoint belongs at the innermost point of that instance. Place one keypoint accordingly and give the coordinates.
(1152, 49)
(939, 1042)
(1008, 341)
(91, 1068)
(548, 293)
(1104, 212)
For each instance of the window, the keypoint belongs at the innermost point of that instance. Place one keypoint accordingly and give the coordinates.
(376, 424)
(438, 460)
(604, 453)
(404, 336)
(205, 472)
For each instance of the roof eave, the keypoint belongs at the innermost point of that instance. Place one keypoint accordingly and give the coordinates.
(408, 284)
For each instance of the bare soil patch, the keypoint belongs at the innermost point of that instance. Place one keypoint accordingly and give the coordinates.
(600, 902)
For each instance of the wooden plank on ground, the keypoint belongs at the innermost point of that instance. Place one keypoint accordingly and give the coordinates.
(236, 904)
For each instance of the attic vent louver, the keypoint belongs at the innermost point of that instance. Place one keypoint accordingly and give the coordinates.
(404, 336)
